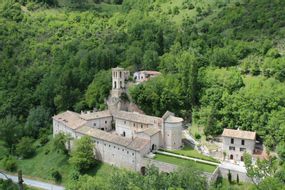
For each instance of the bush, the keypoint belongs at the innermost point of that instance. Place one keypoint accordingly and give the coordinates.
(25, 148)
(197, 136)
(8, 184)
(82, 157)
(10, 164)
(55, 174)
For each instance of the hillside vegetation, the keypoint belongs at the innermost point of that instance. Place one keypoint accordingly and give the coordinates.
(222, 61)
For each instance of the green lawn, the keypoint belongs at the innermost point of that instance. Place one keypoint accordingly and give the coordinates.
(182, 162)
(189, 151)
(40, 166)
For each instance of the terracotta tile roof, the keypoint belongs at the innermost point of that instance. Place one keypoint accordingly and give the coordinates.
(95, 115)
(137, 117)
(70, 119)
(150, 72)
(133, 144)
(239, 134)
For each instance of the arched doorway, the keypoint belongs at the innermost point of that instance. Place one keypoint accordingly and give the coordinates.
(143, 170)
(231, 157)
(153, 147)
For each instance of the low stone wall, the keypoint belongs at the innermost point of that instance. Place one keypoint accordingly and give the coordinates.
(223, 172)
(215, 175)
(162, 166)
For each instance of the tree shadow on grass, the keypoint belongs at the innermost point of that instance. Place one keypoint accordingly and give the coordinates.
(97, 166)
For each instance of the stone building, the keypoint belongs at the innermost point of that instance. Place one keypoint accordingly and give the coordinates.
(121, 138)
(119, 78)
(236, 142)
(142, 76)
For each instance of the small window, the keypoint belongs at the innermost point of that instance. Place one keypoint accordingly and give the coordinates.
(106, 122)
(114, 147)
(94, 124)
(134, 124)
(232, 148)
(232, 141)
(125, 122)
(242, 142)
(242, 149)
(104, 144)
(123, 150)
(133, 154)
(127, 152)
(109, 145)
(118, 148)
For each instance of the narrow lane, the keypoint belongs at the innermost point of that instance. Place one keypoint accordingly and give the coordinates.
(32, 183)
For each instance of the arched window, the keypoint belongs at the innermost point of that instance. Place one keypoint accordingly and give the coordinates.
(231, 157)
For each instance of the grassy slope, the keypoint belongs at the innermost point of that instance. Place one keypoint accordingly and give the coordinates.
(182, 162)
(45, 160)
(194, 129)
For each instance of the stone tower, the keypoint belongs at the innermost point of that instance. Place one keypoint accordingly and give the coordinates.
(172, 131)
(119, 77)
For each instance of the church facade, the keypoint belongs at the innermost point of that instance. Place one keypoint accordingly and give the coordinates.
(122, 138)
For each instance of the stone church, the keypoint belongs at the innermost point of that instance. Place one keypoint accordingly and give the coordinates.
(121, 136)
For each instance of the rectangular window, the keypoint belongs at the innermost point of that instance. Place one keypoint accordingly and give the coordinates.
(242, 149)
(232, 141)
(242, 142)
(105, 122)
(94, 124)
(232, 148)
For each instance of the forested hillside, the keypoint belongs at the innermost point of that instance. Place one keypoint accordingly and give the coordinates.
(223, 62)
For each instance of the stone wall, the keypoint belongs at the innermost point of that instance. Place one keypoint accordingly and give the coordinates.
(223, 172)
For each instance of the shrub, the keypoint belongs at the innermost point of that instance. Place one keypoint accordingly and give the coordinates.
(55, 174)
(82, 157)
(197, 136)
(230, 176)
(10, 164)
(25, 148)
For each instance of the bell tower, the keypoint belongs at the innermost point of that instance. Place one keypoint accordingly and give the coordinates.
(119, 76)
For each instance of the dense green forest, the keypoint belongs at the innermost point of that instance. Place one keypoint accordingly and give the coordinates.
(222, 63)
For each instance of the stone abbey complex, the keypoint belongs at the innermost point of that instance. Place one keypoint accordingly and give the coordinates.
(122, 137)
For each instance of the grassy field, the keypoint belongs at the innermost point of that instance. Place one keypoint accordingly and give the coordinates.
(40, 166)
(183, 162)
(189, 151)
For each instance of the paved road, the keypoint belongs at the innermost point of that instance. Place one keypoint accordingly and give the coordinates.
(34, 183)
(188, 158)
